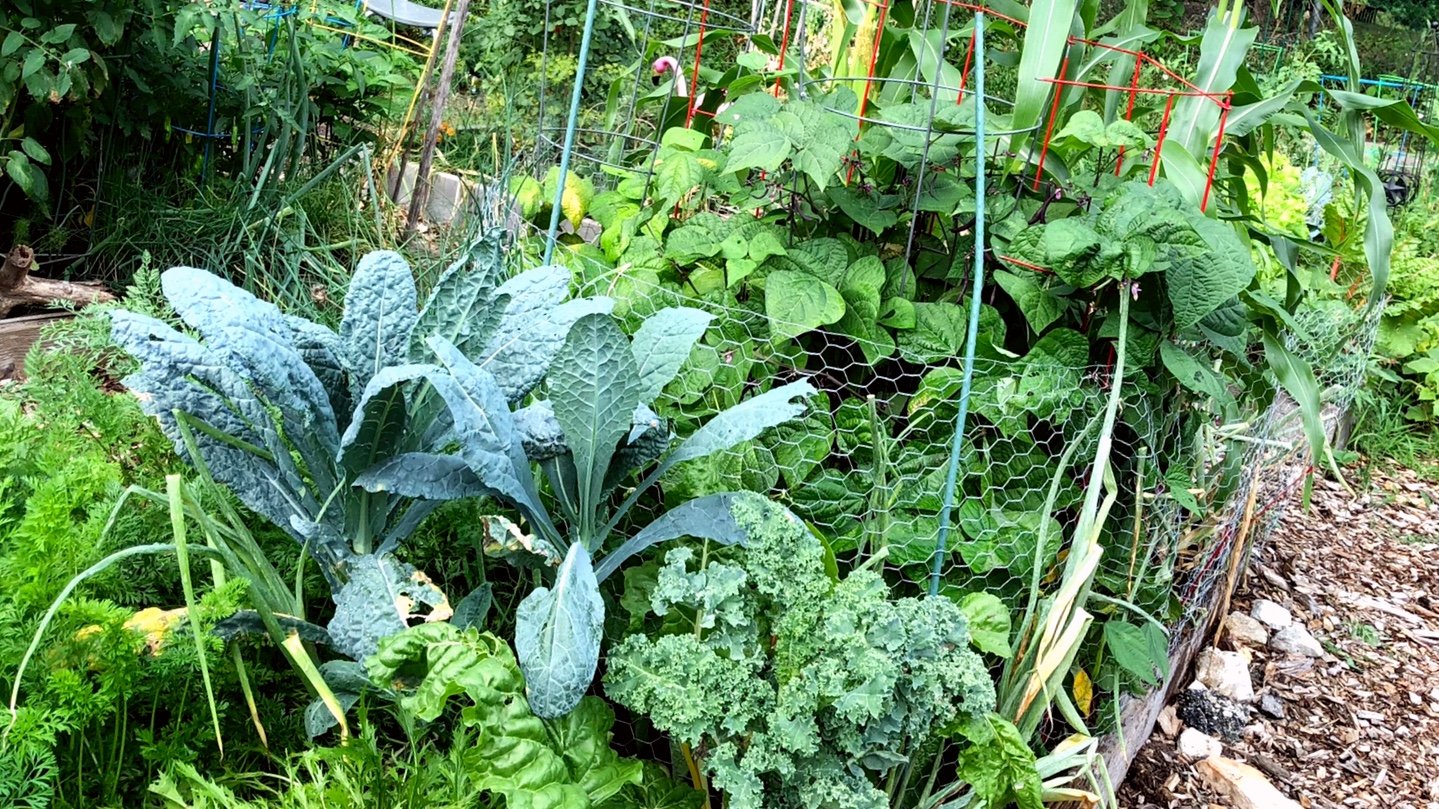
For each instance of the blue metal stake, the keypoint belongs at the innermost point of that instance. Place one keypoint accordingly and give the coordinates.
(570, 129)
(972, 335)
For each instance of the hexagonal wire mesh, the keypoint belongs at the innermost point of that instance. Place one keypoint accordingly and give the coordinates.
(867, 465)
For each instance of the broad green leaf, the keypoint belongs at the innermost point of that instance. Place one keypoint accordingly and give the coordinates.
(867, 210)
(761, 145)
(677, 174)
(36, 152)
(940, 329)
(1205, 274)
(1143, 651)
(1193, 374)
(12, 43)
(662, 344)
(797, 303)
(595, 387)
(989, 623)
(558, 632)
(1039, 306)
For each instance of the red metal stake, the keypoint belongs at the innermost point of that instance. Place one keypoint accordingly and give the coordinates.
(695, 73)
(1159, 144)
(1049, 130)
(1218, 146)
(1129, 111)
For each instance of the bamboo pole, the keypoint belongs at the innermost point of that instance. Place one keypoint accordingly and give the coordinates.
(438, 99)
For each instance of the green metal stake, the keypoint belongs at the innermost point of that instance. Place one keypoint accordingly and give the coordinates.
(967, 384)
(570, 129)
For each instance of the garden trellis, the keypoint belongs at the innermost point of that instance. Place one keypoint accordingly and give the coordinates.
(962, 467)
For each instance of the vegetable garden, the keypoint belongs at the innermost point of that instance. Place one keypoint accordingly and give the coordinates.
(680, 404)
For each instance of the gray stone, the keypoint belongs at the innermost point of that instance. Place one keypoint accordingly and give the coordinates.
(1270, 614)
(1271, 705)
(1226, 674)
(1296, 640)
(1212, 714)
(449, 196)
(1246, 631)
(1194, 745)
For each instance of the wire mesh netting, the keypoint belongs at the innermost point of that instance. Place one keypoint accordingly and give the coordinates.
(868, 465)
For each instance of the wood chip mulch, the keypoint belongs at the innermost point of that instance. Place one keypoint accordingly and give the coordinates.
(1360, 726)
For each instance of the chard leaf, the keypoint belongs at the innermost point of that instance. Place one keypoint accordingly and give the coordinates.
(513, 754)
(381, 598)
(594, 389)
(583, 738)
(662, 344)
(380, 315)
(557, 636)
(702, 518)
(743, 422)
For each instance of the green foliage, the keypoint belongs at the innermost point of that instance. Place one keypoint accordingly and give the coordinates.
(801, 690)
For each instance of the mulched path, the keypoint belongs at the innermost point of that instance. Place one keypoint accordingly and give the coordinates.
(1360, 726)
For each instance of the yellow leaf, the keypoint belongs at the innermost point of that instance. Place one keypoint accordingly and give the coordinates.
(1083, 692)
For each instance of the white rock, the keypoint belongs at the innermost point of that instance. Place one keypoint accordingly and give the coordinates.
(1270, 614)
(1194, 745)
(1226, 674)
(1296, 640)
(1246, 631)
(1169, 723)
(1244, 786)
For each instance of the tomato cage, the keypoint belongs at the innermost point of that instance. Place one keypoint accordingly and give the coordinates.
(1152, 99)
(654, 80)
(1150, 79)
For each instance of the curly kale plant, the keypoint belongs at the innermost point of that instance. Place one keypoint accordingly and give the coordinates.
(590, 434)
(289, 414)
(801, 690)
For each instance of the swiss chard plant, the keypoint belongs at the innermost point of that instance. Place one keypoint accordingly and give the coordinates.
(290, 414)
(592, 431)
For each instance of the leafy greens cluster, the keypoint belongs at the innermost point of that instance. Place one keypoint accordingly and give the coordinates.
(803, 691)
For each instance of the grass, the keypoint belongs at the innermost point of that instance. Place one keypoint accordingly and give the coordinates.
(1384, 436)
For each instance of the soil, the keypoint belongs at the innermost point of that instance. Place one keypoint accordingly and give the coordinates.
(1360, 726)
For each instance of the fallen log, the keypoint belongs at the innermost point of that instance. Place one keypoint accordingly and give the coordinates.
(18, 288)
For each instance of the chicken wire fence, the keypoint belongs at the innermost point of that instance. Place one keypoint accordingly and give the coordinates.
(867, 464)
(1337, 342)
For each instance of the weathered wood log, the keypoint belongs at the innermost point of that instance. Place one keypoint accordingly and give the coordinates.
(17, 336)
(19, 288)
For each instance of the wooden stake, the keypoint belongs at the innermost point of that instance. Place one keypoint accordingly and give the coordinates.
(1238, 552)
(18, 288)
(421, 192)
